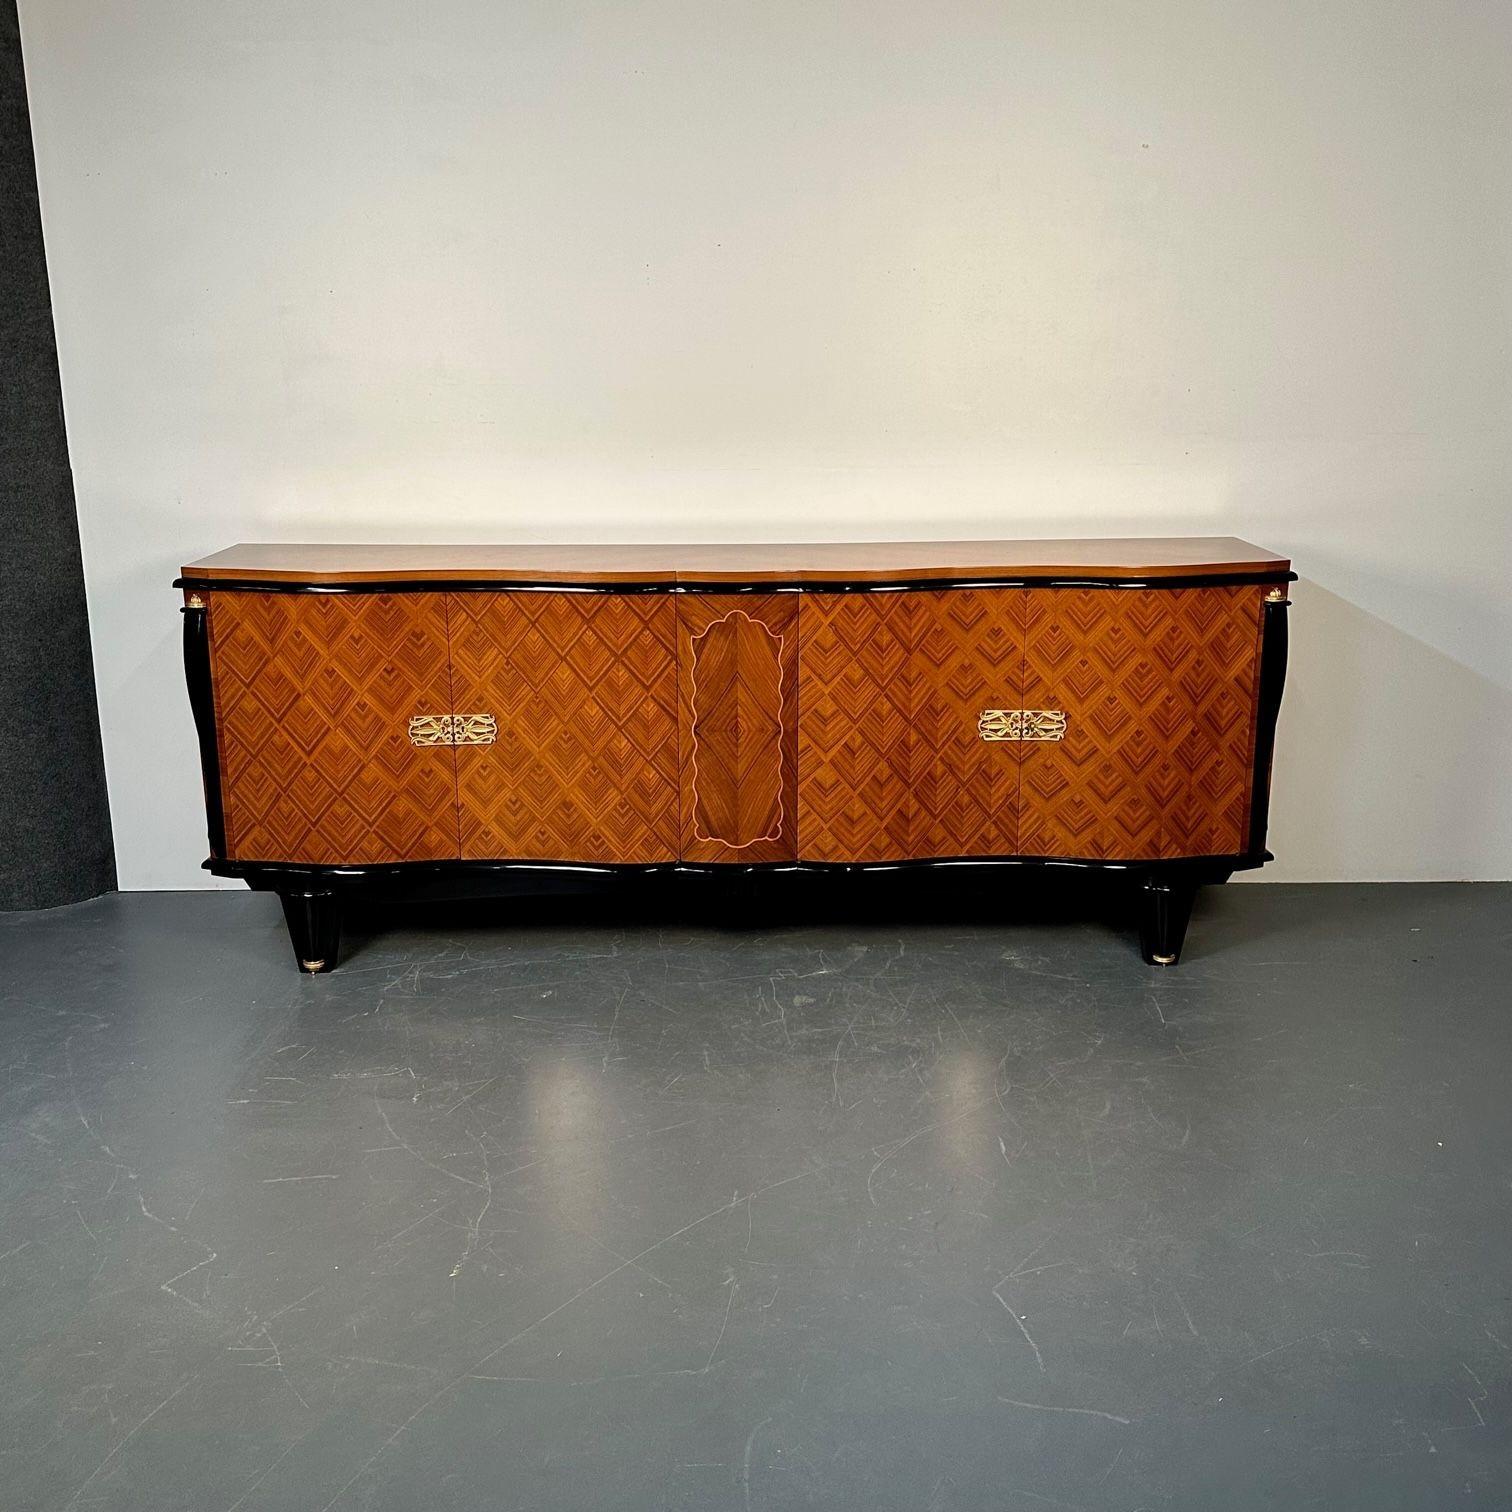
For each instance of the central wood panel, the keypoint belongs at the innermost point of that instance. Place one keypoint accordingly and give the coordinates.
(738, 675)
(891, 686)
(584, 689)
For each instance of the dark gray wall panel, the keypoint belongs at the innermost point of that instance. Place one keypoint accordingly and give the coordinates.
(55, 841)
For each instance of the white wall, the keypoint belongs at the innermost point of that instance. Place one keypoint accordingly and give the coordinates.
(364, 269)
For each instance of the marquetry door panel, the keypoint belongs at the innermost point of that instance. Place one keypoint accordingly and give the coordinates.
(856, 746)
(891, 690)
(1159, 690)
(314, 694)
(583, 689)
(738, 677)
(968, 658)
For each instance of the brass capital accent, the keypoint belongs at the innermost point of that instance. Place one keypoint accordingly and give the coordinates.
(194, 601)
(1277, 596)
(1022, 724)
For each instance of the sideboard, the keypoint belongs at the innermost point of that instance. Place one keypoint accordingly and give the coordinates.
(450, 720)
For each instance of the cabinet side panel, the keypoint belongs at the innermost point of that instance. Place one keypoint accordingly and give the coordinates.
(738, 694)
(856, 754)
(313, 698)
(583, 687)
(1158, 687)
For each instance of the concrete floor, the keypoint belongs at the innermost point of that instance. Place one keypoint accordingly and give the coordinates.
(894, 1207)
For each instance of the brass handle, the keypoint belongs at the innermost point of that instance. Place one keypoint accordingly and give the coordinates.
(430, 730)
(453, 729)
(1022, 724)
(474, 729)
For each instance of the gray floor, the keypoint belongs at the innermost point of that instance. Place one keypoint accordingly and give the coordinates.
(860, 1211)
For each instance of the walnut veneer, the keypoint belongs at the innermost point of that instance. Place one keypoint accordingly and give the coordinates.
(814, 561)
(370, 709)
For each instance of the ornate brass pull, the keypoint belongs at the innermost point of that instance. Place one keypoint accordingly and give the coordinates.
(474, 729)
(430, 730)
(453, 729)
(1022, 724)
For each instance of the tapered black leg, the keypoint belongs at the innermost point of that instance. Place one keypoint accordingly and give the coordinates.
(1165, 909)
(314, 921)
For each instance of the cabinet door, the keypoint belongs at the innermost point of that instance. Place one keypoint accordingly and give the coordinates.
(1159, 690)
(738, 671)
(314, 695)
(892, 688)
(583, 691)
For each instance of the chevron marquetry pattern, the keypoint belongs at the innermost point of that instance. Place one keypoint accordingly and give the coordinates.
(584, 689)
(891, 687)
(738, 670)
(1159, 689)
(856, 745)
(314, 695)
(642, 727)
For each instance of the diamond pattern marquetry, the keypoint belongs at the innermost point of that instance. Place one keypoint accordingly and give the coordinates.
(891, 688)
(583, 687)
(738, 670)
(1159, 689)
(314, 696)
(1100, 724)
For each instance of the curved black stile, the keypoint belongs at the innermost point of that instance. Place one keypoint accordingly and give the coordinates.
(1274, 639)
(202, 705)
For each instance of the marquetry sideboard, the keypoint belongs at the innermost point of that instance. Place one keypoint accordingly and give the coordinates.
(444, 720)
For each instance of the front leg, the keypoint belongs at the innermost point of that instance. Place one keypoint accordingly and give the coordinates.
(314, 920)
(1165, 910)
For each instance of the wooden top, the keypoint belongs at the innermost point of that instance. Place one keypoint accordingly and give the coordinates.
(819, 562)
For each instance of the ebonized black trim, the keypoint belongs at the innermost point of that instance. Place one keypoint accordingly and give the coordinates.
(314, 921)
(836, 585)
(1274, 637)
(313, 897)
(508, 878)
(202, 703)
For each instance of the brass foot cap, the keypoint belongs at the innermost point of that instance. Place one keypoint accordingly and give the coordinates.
(1161, 960)
(312, 965)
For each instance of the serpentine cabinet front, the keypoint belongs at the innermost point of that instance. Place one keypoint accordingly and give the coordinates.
(352, 735)
(640, 728)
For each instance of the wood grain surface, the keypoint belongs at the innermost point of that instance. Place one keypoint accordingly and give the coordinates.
(814, 562)
(584, 689)
(313, 701)
(738, 676)
(891, 766)
(1159, 690)
(644, 727)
